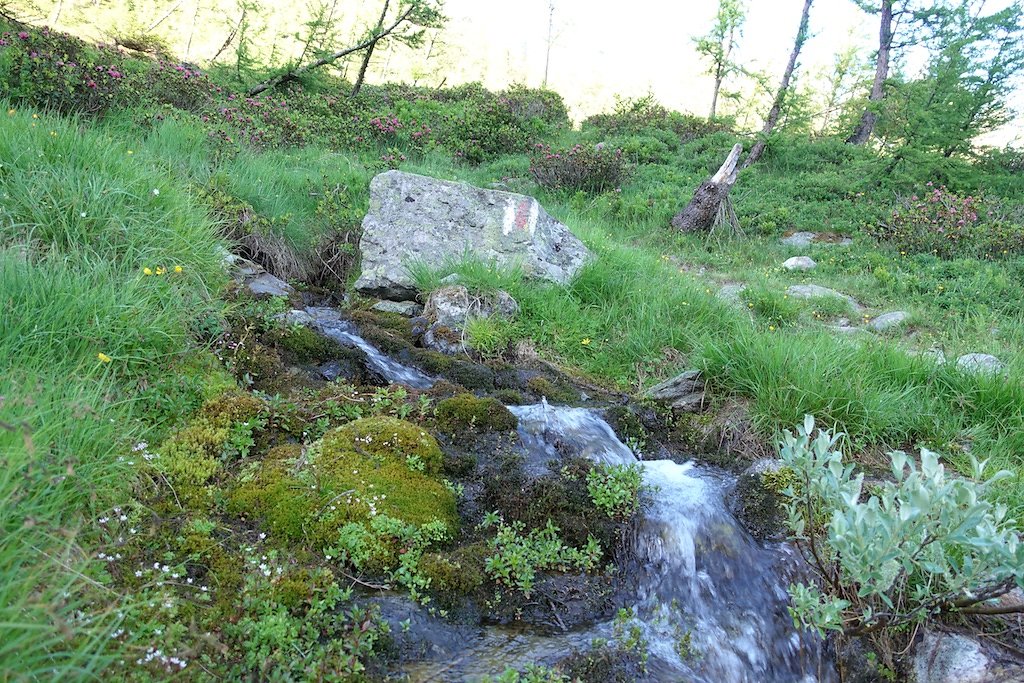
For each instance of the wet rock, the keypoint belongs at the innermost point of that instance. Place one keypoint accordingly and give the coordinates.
(409, 309)
(757, 499)
(888, 321)
(942, 657)
(414, 218)
(799, 263)
(980, 364)
(268, 285)
(296, 317)
(814, 291)
(453, 305)
(447, 340)
(683, 393)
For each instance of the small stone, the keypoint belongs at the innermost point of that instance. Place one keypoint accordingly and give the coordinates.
(814, 291)
(268, 285)
(447, 340)
(683, 393)
(453, 305)
(952, 658)
(410, 309)
(799, 239)
(296, 317)
(799, 263)
(888, 321)
(731, 293)
(980, 364)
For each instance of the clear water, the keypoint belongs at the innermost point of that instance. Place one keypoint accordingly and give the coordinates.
(329, 322)
(710, 601)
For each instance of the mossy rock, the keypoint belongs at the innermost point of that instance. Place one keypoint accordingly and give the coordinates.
(457, 573)
(467, 413)
(510, 397)
(386, 439)
(471, 375)
(192, 456)
(303, 345)
(553, 391)
(352, 474)
(434, 362)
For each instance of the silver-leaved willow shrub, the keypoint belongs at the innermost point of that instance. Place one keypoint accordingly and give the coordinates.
(908, 549)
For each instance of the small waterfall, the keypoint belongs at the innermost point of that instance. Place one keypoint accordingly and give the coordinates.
(330, 323)
(710, 600)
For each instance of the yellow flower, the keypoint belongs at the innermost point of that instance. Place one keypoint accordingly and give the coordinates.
(11, 112)
(585, 341)
(103, 358)
(131, 152)
(35, 116)
(178, 269)
(160, 270)
(147, 271)
(771, 328)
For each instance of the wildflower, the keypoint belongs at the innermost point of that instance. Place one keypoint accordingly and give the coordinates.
(103, 358)
(160, 270)
(178, 269)
(131, 151)
(585, 341)
(771, 328)
(35, 116)
(11, 112)
(147, 271)
(156, 192)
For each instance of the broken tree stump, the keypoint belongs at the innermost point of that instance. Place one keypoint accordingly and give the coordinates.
(703, 211)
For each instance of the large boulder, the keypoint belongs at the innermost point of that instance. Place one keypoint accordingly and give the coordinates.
(416, 219)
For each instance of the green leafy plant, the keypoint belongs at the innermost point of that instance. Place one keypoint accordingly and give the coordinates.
(922, 544)
(616, 489)
(518, 556)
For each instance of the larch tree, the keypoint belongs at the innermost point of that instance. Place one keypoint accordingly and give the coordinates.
(718, 45)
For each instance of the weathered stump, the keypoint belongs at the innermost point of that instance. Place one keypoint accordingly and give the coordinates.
(705, 209)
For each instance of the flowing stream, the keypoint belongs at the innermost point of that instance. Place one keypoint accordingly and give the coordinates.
(330, 323)
(710, 601)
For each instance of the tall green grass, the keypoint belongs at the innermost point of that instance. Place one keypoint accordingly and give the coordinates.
(85, 333)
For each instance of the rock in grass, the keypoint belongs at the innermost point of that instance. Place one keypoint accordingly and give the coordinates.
(683, 393)
(980, 364)
(268, 285)
(888, 321)
(799, 263)
(799, 239)
(410, 309)
(453, 305)
(414, 219)
(814, 291)
(731, 293)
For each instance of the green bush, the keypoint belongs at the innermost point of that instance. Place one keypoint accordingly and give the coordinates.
(919, 545)
(578, 168)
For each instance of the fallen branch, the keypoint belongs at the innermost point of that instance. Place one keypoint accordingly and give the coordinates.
(293, 74)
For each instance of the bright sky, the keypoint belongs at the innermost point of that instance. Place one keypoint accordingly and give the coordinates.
(607, 47)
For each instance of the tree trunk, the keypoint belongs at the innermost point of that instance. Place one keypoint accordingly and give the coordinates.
(547, 51)
(867, 120)
(369, 51)
(714, 94)
(780, 96)
(700, 214)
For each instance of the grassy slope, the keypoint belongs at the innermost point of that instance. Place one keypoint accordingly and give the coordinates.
(82, 195)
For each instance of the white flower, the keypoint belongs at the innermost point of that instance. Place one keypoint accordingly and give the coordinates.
(156, 192)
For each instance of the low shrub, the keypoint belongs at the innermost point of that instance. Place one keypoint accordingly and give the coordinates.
(917, 546)
(949, 225)
(590, 169)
